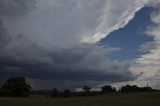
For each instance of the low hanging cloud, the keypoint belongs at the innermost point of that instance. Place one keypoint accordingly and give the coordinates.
(84, 62)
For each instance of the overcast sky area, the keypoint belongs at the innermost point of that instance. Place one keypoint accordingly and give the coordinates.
(72, 43)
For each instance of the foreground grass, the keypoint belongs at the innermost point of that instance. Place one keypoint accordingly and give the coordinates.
(131, 99)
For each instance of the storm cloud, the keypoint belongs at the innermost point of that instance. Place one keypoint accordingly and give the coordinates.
(56, 39)
(84, 62)
(11, 8)
(4, 36)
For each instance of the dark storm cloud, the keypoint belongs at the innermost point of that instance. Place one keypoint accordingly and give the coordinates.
(16, 7)
(27, 54)
(80, 63)
(61, 85)
(4, 36)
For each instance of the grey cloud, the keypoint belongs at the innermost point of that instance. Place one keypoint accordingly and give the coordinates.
(4, 36)
(80, 63)
(46, 49)
(16, 7)
(66, 23)
(154, 3)
(73, 85)
(146, 47)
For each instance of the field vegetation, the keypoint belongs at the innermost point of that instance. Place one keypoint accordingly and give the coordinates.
(113, 99)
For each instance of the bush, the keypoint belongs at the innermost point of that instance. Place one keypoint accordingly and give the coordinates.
(108, 89)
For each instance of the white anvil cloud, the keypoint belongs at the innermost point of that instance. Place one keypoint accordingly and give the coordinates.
(66, 23)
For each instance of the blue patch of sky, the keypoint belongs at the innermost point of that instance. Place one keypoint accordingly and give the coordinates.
(131, 37)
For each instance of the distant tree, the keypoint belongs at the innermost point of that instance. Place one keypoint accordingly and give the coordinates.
(16, 87)
(86, 89)
(67, 93)
(146, 89)
(54, 93)
(107, 89)
(129, 88)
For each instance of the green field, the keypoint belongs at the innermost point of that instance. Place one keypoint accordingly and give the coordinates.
(132, 99)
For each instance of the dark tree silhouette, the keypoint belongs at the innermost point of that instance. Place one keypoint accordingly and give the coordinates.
(129, 88)
(67, 93)
(134, 88)
(107, 89)
(16, 87)
(54, 93)
(86, 89)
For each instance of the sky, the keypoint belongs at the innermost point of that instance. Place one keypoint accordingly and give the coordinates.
(69, 44)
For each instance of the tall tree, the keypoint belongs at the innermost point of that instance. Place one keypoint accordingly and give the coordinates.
(16, 87)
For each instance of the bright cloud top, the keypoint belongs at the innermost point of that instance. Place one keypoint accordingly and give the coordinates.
(66, 23)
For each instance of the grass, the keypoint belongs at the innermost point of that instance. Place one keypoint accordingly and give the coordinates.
(130, 99)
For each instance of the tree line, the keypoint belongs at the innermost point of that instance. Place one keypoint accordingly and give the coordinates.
(17, 87)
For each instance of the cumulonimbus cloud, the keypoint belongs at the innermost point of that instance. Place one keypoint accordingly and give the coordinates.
(52, 39)
(83, 62)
